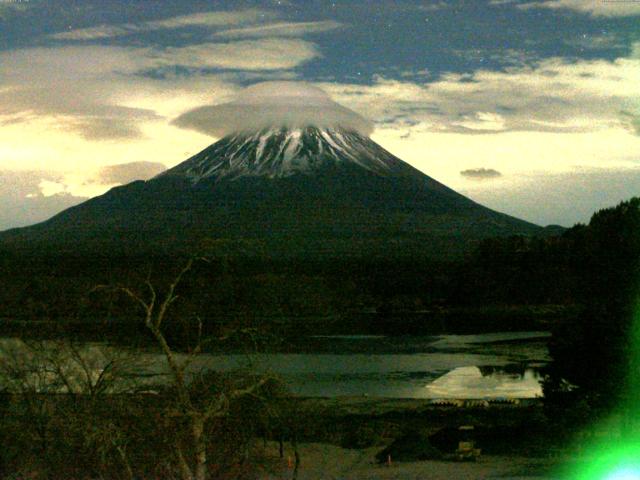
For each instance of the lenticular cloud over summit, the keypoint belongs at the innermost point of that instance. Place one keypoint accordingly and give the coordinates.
(274, 104)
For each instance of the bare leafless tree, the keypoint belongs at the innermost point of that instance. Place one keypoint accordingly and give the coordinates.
(197, 413)
(44, 378)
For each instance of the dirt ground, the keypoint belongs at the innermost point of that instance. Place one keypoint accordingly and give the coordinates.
(322, 461)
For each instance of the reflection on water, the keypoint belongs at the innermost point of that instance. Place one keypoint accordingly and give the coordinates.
(426, 375)
(501, 365)
(471, 382)
(460, 383)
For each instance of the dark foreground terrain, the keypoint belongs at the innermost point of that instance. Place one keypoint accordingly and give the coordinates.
(339, 436)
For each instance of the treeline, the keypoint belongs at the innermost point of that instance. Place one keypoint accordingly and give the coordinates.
(586, 261)
(596, 365)
(241, 283)
(499, 271)
(323, 295)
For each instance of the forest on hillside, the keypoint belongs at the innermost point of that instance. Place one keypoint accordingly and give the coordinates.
(506, 283)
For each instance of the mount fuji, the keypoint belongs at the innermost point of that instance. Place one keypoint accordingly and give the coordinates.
(303, 191)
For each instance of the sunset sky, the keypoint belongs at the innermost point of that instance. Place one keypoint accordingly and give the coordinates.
(529, 107)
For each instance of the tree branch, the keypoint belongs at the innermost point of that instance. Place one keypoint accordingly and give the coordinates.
(171, 296)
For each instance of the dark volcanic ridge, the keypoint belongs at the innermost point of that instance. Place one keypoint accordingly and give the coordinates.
(293, 191)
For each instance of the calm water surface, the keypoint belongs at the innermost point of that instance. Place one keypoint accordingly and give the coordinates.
(496, 365)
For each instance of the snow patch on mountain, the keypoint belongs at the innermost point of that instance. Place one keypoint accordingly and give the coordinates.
(282, 152)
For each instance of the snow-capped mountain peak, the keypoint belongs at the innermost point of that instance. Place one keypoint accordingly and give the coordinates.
(282, 152)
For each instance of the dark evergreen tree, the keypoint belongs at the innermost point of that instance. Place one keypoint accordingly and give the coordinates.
(593, 352)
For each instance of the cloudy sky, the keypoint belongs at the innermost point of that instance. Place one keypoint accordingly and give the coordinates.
(529, 107)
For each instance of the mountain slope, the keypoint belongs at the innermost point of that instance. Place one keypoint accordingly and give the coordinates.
(300, 192)
(280, 152)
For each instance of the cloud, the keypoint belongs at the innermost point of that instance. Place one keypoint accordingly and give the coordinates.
(574, 194)
(554, 95)
(204, 19)
(434, 6)
(282, 29)
(64, 64)
(264, 54)
(631, 121)
(7, 9)
(507, 57)
(41, 145)
(83, 86)
(595, 8)
(50, 188)
(480, 173)
(484, 121)
(72, 187)
(97, 33)
(605, 41)
(106, 127)
(209, 19)
(76, 85)
(267, 104)
(128, 172)
(23, 202)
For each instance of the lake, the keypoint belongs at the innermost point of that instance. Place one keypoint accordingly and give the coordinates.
(494, 365)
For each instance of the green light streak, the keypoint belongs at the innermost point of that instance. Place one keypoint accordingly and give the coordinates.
(619, 458)
(615, 463)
